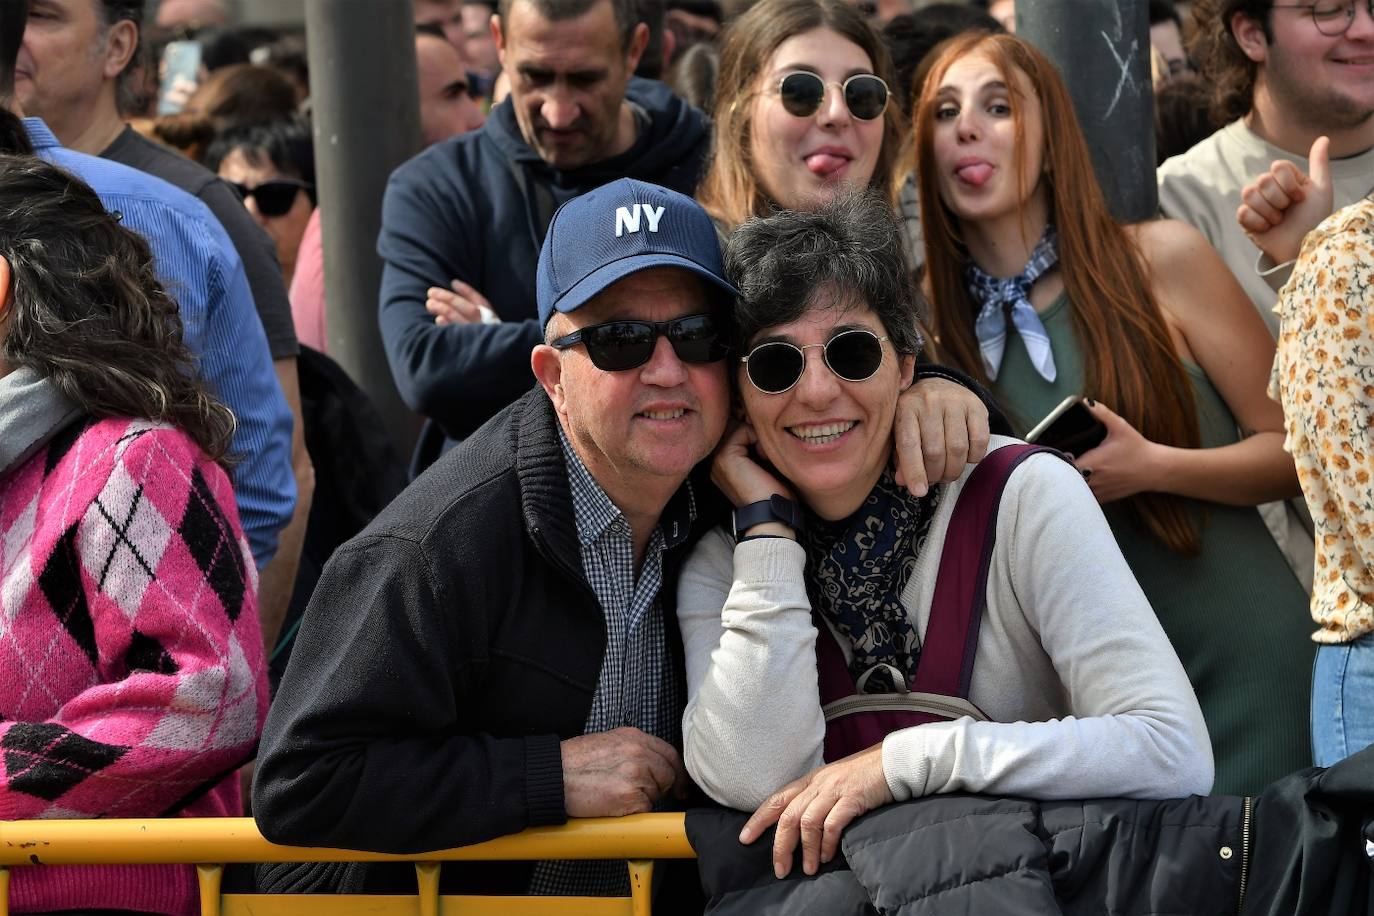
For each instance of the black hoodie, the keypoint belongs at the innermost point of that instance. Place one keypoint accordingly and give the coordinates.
(474, 208)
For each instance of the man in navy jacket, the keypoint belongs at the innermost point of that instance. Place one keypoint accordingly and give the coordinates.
(463, 221)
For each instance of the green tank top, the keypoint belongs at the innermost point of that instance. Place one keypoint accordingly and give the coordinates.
(1235, 613)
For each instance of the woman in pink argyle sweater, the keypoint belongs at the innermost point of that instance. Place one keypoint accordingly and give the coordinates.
(132, 678)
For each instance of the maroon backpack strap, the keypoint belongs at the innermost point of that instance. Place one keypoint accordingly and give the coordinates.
(832, 671)
(956, 611)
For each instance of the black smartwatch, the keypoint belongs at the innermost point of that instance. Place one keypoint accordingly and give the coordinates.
(776, 508)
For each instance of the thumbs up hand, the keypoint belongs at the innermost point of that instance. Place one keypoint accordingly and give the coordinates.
(1282, 205)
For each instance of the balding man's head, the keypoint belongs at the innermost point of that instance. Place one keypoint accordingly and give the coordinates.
(447, 106)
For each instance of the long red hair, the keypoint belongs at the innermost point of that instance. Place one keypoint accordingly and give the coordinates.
(1129, 360)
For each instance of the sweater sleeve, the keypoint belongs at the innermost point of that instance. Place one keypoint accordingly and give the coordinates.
(368, 721)
(460, 375)
(179, 690)
(753, 721)
(1135, 730)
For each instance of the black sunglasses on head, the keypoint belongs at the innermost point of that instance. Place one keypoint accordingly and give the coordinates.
(776, 366)
(618, 345)
(275, 197)
(803, 93)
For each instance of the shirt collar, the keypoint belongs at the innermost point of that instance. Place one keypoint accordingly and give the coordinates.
(594, 511)
(40, 135)
(592, 508)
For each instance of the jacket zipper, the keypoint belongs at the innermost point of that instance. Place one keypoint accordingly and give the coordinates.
(1244, 852)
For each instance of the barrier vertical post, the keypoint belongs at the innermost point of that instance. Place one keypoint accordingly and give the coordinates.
(641, 886)
(210, 877)
(427, 886)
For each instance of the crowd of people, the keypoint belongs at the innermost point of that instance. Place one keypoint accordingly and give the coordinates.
(727, 321)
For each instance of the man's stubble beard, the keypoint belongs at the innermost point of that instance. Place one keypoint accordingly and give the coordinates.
(1322, 110)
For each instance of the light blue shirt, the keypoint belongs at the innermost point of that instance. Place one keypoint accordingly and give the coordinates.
(198, 265)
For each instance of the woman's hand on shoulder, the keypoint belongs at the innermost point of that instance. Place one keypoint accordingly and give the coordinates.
(736, 471)
(939, 427)
(816, 809)
(1123, 464)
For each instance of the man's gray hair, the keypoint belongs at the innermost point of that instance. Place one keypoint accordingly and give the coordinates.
(850, 248)
(556, 328)
(626, 13)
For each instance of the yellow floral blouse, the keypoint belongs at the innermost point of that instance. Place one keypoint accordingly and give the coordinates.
(1324, 378)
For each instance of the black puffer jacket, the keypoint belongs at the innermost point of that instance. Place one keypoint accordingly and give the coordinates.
(1298, 848)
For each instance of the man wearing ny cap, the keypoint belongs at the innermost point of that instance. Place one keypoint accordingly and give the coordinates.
(498, 649)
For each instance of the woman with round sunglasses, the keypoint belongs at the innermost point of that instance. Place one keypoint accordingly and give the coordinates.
(272, 164)
(1039, 292)
(1078, 691)
(801, 111)
(802, 115)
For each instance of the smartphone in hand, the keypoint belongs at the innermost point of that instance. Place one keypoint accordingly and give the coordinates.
(1070, 427)
(179, 75)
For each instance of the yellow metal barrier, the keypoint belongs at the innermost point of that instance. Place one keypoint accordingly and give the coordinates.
(211, 843)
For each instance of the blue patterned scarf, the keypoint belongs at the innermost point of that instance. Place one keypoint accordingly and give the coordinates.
(1011, 295)
(859, 567)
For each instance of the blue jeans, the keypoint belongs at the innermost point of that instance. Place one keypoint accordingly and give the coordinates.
(1342, 700)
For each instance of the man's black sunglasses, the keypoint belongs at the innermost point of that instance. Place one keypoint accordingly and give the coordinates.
(275, 197)
(618, 345)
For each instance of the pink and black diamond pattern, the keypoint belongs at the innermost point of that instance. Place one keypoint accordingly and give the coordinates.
(45, 760)
(131, 666)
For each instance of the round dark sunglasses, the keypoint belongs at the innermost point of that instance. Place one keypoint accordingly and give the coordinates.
(275, 197)
(776, 366)
(803, 93)
(618, 345)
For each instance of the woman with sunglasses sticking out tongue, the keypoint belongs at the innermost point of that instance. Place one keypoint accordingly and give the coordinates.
(1039, 292)
(801, 116)
(801, 111)
(826, 597)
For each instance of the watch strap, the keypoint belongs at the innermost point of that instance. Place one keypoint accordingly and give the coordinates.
(776, 508)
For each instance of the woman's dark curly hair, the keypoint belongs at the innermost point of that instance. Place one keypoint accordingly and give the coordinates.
(850, 247)
(86, 310)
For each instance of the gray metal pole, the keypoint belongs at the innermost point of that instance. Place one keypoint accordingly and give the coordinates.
(1102, 47)
(366, 114)
(269, 12)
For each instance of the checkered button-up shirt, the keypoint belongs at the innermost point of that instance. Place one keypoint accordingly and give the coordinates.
(636, 687)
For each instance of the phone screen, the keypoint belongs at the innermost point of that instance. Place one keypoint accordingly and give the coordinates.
(1074, 431)
(180, 72)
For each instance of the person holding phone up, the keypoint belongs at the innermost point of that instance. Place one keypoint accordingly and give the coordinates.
(1040, 293)
(832, 591)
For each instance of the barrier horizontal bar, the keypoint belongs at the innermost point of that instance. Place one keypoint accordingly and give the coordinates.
(376, 905)
(211, 840)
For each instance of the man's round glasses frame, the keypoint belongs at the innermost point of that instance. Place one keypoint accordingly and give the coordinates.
(1331, 17)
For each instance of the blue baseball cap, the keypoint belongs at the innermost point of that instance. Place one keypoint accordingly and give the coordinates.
(619, 229)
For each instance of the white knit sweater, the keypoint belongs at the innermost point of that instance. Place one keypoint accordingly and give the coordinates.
(1085, 695)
